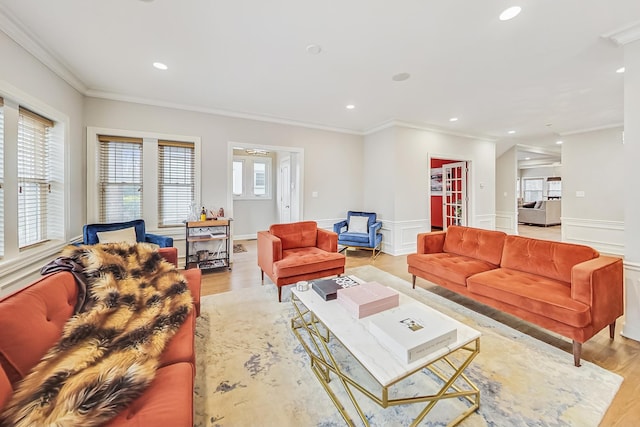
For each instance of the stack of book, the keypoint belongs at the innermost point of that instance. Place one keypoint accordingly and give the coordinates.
(328, 288)
(412, 331)
(367, 299)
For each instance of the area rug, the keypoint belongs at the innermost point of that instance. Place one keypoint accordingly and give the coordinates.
(238, 248)
(251, 370)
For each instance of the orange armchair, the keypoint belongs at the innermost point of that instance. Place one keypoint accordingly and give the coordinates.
(288, 253)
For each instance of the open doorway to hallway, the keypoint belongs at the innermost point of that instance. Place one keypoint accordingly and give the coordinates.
(265, 186)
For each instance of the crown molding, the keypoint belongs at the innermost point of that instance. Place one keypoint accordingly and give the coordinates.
(594, 129)
(226, 113)
(624, 35)
(23, 37)
(428, 128)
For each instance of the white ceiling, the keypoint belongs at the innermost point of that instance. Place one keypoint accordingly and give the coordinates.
(545, 73)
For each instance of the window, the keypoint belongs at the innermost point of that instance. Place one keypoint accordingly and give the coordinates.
(252, 177)
(34, 177)
(532, 189)
(120, 185)
(554, 187)
(176, 182)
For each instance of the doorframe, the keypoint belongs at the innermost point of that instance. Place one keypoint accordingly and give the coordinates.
(298, 180)
(471, 206)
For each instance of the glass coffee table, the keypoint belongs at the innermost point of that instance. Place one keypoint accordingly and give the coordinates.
(316, 323)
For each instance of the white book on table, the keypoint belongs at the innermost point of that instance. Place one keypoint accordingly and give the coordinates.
(412, 331)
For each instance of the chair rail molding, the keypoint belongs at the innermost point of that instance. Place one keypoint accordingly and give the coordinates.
(604, 236)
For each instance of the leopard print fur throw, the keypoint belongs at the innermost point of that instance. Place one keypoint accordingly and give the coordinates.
(108, 354)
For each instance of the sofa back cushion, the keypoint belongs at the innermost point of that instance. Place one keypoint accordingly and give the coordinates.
(543, 257)
(31, 321)
(296, 234)
(6, 390)
(485, 245)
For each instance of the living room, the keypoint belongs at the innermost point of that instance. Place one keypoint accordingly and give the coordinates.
(379, 166)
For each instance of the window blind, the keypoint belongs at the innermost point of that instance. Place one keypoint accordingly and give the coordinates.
(120, 178)
(34, 174)
(176, 182)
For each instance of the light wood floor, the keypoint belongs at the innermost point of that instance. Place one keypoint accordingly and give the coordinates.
(620, 355)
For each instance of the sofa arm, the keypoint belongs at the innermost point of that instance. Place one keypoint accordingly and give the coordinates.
(269, 251)
(431, 243)
(169, 254)
(327, 240)
(339, 226)
(162, 241)
(194, 280)
(599, 284)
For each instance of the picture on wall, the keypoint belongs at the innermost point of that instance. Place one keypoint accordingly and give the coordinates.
(436, 181)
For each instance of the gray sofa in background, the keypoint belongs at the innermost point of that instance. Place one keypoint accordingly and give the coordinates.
(548, 213)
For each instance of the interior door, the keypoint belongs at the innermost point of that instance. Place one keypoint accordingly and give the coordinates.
(454, 194)
(284, 189)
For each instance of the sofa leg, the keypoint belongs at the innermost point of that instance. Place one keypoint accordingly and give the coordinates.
(279, 293)
(414, 281)
(262, 276)
(612, 330)
(577, 351)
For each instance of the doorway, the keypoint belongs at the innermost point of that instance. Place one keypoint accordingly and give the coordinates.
(449, 198)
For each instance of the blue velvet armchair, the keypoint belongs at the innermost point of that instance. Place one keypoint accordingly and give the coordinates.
(90, 233)
(361, 230)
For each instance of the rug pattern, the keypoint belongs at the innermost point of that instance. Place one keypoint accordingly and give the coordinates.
(251, 370)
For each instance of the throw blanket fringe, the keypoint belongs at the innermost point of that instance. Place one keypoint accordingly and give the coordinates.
(108, 354)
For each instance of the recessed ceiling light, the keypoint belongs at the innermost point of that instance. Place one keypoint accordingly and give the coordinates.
(314, 49)
(558, 142)
(510, 13)
(620, 70)
(453, 119)
(400, 77)
(160, 66)
(350, 107)
(527, 158)
(511, 132)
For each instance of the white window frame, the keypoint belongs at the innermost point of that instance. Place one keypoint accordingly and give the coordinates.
(15, 260)
(248, 177)
(150, 174)
(525, 191)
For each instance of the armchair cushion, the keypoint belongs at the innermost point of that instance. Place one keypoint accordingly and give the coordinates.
(90, 233)
(359, 224)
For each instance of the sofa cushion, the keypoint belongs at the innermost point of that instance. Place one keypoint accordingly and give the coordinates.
(485, 245)
(25, 339)
(455, 268)
(168, 401)
(296, 235)
(543, 257)
(299, 261)
(6, 390)
(531, 292)
(181, 346)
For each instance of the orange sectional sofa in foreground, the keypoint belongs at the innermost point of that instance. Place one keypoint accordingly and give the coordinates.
(567, 288)
(32, 321)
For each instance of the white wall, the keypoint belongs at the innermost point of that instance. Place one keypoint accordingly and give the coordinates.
(333, 161)
(507, 192)
(399, 190)
(25, 80)
(594, 190)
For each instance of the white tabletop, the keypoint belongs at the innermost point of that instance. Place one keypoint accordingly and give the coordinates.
(354, 334)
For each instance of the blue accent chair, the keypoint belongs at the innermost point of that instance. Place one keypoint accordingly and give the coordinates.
(355, 234)
(90, 236)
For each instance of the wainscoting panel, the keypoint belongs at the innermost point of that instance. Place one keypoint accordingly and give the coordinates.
(604, 236)
(507, 222)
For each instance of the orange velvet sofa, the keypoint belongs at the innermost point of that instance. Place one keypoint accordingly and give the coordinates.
(296, 251)
(566, 288)
(31, 321)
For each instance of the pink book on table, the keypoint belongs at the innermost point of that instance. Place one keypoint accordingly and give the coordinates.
(367, 299)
